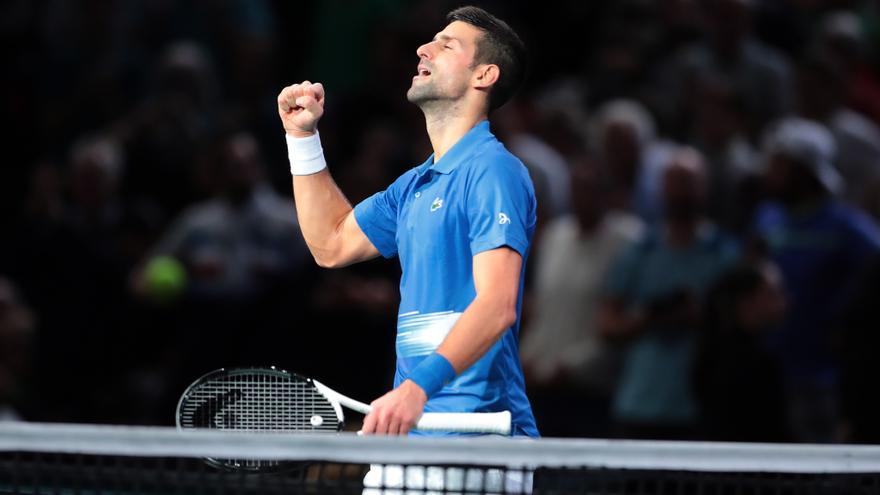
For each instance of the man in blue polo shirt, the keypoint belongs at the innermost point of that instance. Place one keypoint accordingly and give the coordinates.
(461, 224)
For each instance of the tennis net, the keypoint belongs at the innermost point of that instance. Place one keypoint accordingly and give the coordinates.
(84, 459)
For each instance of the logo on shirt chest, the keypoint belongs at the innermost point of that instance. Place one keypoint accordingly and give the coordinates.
(436, 204)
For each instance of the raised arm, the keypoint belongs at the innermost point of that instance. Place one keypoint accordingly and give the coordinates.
(325, 216)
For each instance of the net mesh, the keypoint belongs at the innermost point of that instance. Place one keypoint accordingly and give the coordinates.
(77, 459)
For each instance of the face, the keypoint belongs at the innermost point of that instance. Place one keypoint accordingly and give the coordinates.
(778, 178)
(445, 65)
(586, 192)
(683, 190)
(620, 148)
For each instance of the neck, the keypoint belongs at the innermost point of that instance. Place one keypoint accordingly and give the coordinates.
(448, 123)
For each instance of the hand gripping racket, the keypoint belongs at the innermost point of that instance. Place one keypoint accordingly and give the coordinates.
(276, 401)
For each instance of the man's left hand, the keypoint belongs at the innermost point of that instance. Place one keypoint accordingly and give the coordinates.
(396, 412)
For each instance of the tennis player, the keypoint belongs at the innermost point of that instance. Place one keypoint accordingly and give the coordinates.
(461, 225)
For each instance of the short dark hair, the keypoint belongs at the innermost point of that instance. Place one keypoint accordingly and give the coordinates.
(498, 45)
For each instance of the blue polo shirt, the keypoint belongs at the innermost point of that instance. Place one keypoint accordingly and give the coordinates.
(435, 218)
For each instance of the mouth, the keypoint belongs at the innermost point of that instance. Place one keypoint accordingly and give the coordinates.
(423, 71)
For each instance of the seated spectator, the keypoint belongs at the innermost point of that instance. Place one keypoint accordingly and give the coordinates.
(571, 370)
(652, 302)
(738, 383)
(821, 246)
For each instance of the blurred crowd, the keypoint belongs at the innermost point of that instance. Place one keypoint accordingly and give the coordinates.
(707, 173)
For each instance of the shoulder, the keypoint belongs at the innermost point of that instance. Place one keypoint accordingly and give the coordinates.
(623, 225)
(211, 212)
(400, 185)
(769, 215)
(855, 221)
(494, 162)
(274, 207)
(405, 179)
(563, 227)
(720, 241)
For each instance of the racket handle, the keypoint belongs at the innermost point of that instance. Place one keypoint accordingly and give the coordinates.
(498, 423)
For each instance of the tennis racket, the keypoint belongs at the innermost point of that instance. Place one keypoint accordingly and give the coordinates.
(276, 401)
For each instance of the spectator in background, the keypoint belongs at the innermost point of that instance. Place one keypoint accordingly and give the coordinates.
(240, 251)
(652, 302)
(164, 131)
(515, 125)
(571, 371)
(16, 342)
(737, 382)
(115, 230)
(730, 49)
(822, 98)
(624, 134)
(73, 268)
(234, 244)
(821, 246)
(719, 129)
(844, 42)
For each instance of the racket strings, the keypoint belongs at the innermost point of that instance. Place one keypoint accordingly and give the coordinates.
(258, 402)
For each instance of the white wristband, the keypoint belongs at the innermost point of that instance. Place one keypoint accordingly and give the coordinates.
(305, 154)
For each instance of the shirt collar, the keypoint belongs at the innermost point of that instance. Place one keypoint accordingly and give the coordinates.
(477, 135)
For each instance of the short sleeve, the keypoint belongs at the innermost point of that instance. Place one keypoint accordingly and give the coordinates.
(500, 206)
(377, 217)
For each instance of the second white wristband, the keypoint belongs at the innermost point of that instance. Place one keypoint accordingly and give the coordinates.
(305, 154)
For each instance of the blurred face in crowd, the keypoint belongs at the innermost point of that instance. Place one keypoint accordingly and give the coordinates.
(92, 184)
(621, 151)
(684, 187)
(730, 23)
(242, 167)
(446, 65)
(764, 306)
(718, 118)
(788, 181)
(587, 193)
(818, 92)
(16, 336)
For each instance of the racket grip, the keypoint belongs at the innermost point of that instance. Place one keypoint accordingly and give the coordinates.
(498, 423)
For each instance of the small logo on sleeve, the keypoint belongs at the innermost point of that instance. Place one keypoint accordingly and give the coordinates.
(503, 219)
(436, 204)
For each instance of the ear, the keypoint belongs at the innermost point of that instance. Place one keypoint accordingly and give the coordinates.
(485, 76)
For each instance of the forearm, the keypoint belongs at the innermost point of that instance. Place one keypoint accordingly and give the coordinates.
(478, 328)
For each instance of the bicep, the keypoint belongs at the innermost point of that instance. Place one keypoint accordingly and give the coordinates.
(356, 246)
(497, 273)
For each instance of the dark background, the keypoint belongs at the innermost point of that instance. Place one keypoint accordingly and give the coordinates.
(121, 117)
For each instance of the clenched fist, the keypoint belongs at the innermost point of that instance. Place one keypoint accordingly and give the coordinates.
(300, 107)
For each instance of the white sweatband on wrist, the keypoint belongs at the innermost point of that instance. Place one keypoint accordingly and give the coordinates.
(305, 154)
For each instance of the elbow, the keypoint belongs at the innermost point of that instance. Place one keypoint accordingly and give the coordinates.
(507, 318)
(326, 258)
(325, 261)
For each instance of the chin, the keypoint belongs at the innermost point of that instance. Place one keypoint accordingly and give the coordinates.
(418, 95)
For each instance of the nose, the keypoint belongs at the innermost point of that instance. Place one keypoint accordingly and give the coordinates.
(424, 51)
